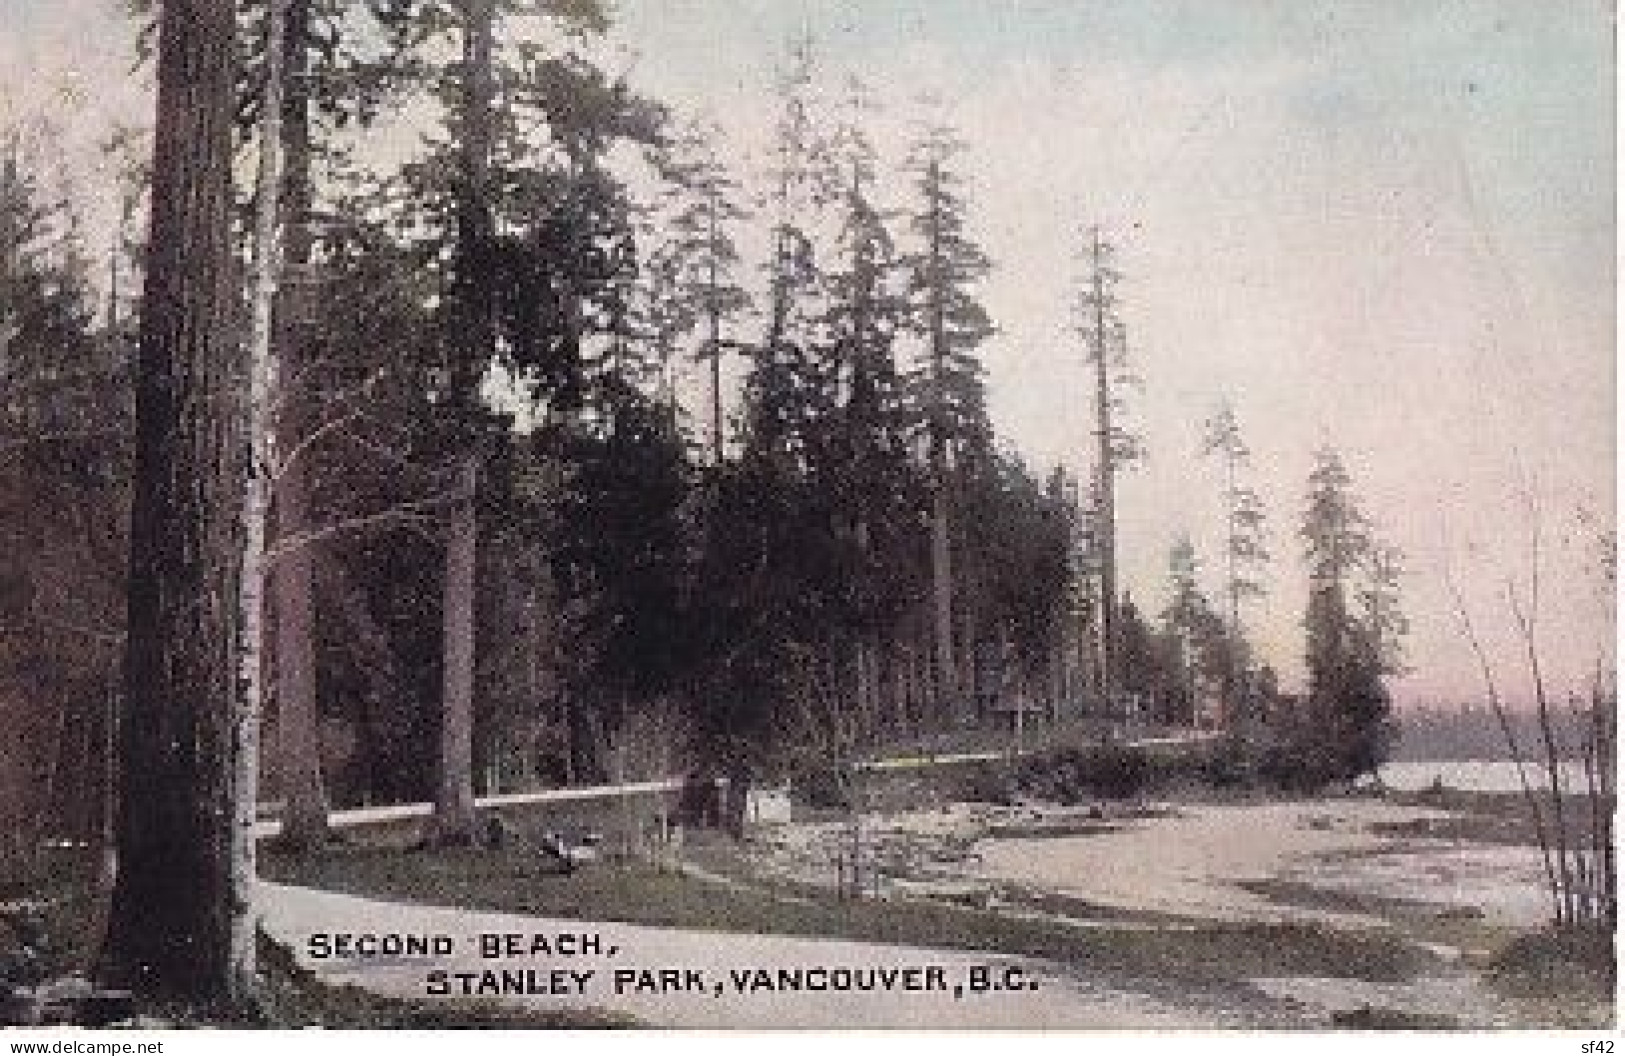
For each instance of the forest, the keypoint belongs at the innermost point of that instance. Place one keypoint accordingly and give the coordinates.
(576, 446)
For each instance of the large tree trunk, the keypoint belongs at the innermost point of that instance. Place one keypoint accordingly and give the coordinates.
(176, 893)
(942, 606)
(1105, 460)
(339, 596)
(970, 698)
(454, 794)
(304, 818)
(867, 688)
(474, 342)
(942, 576)
(263, 391)
(714, 318)
(899, 659)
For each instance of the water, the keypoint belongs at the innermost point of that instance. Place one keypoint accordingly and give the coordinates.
(1479, 775)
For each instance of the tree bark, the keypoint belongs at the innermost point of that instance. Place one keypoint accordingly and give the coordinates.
(476, 333)
(454, 796)
(899, 658)
(942, 576)
(176, 894)
(263, 392)
(1106, 508)
(304, 818)
(970, 700)
(714, 319)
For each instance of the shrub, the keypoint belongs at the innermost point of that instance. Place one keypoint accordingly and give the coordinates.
(1066, 775)
(989, 782)
(1117, 771)
(1557, 958)
(1233, 762)
(1300, 765)
(821, 788)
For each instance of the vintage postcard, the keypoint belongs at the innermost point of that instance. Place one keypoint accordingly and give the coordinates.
(813, 514)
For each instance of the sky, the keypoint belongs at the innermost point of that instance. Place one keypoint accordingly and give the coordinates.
(1386, 225)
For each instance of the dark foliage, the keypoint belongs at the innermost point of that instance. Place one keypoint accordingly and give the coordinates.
(1068, 775)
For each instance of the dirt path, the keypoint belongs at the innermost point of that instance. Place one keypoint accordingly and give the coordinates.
(1048, 996)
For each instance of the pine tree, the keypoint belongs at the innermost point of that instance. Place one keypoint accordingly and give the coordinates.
(575, 298)
(535, 252)
(865, 465)
(771, 576)
(1196, 631)
(788, 388)
(471, 346)
(1245, 552)
(177, 805)
(1078, 650)
(64, 470)
(693, 262)
(621, 558)
(330, 85)
(1353, 629)
(1106, 340)
(1015, 541)
(304, 820)
(949, 389)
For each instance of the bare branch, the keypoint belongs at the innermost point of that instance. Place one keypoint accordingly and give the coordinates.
(308, 441)
(1527, 631)
(407, 512)
(1498, 707)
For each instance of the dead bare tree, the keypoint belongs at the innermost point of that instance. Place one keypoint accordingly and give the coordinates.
(1577, 853)
(1492, 694)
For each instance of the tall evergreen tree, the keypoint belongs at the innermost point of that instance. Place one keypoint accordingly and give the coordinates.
(693, 262)
(470, 347)
(1106, 340)
(865, 464)
(1196, 631)
(1014, 542)
(533, 246)
(621, 559)
(787, 387)
(770, 573)
(332, 83)
(1245, 551)
(1353, 628)
(64, 474)
(304, 820)
(574, 295)
(944, 272)
(166, 937)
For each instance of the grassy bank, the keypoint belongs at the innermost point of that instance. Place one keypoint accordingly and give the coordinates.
(1483, 817)
(516, 881)
(50, 926)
